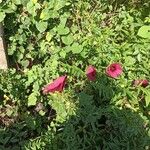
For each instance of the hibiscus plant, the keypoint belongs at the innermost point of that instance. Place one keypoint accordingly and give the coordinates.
(78, 77)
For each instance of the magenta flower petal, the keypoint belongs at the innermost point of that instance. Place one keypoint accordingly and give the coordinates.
(91, 73)
(114, 70)
(57, 85)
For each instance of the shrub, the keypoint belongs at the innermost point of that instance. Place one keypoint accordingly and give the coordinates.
(49, 39)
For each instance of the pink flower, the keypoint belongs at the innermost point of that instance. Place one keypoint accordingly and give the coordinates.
(141, 82)
(91, 73)
(114, 70)
(57, 85)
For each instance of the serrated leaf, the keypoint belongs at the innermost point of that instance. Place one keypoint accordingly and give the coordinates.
(144, 32)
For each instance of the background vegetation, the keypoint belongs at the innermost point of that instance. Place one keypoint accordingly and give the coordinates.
(49, 38)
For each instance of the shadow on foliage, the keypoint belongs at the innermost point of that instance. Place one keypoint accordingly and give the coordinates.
(16, 132)
(99, 125)
(96, 125)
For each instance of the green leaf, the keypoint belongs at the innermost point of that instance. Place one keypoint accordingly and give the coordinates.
(60, 108)
(9, 112)
(30, 7)
(59, 4)
(63, 20)
(62, 54)
(24, 2)
(2, 16)
(34, 1)
(76, 48)
(41, 112)
(129, 61)
(17, 2)
(41, 26)
(144, 32)
(147, 99)
(62, 31)
(25, 63)
(49, 36)
(32, 99)
(68, 40)
(45, 14)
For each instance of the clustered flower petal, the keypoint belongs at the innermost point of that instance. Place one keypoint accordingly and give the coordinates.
(114, 70)
(57, 85)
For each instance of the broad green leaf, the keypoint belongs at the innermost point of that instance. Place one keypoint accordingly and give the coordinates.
(25, 63)
(59, 4)
(144, 32)
(30, 7)
(62, 31)
(41, 26)
(53, 14)
(2, 16)
(45, 14)
(147, 99)
(67, 39)
(63, 20)
(76, 48)
(67, 49)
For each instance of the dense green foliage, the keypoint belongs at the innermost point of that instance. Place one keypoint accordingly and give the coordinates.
(49, 38)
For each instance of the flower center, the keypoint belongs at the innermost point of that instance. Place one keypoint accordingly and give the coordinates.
(112, 68)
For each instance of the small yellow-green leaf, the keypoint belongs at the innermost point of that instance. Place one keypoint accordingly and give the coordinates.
(34, 1)
(144, 32)
(49, 36)
(32, 99)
